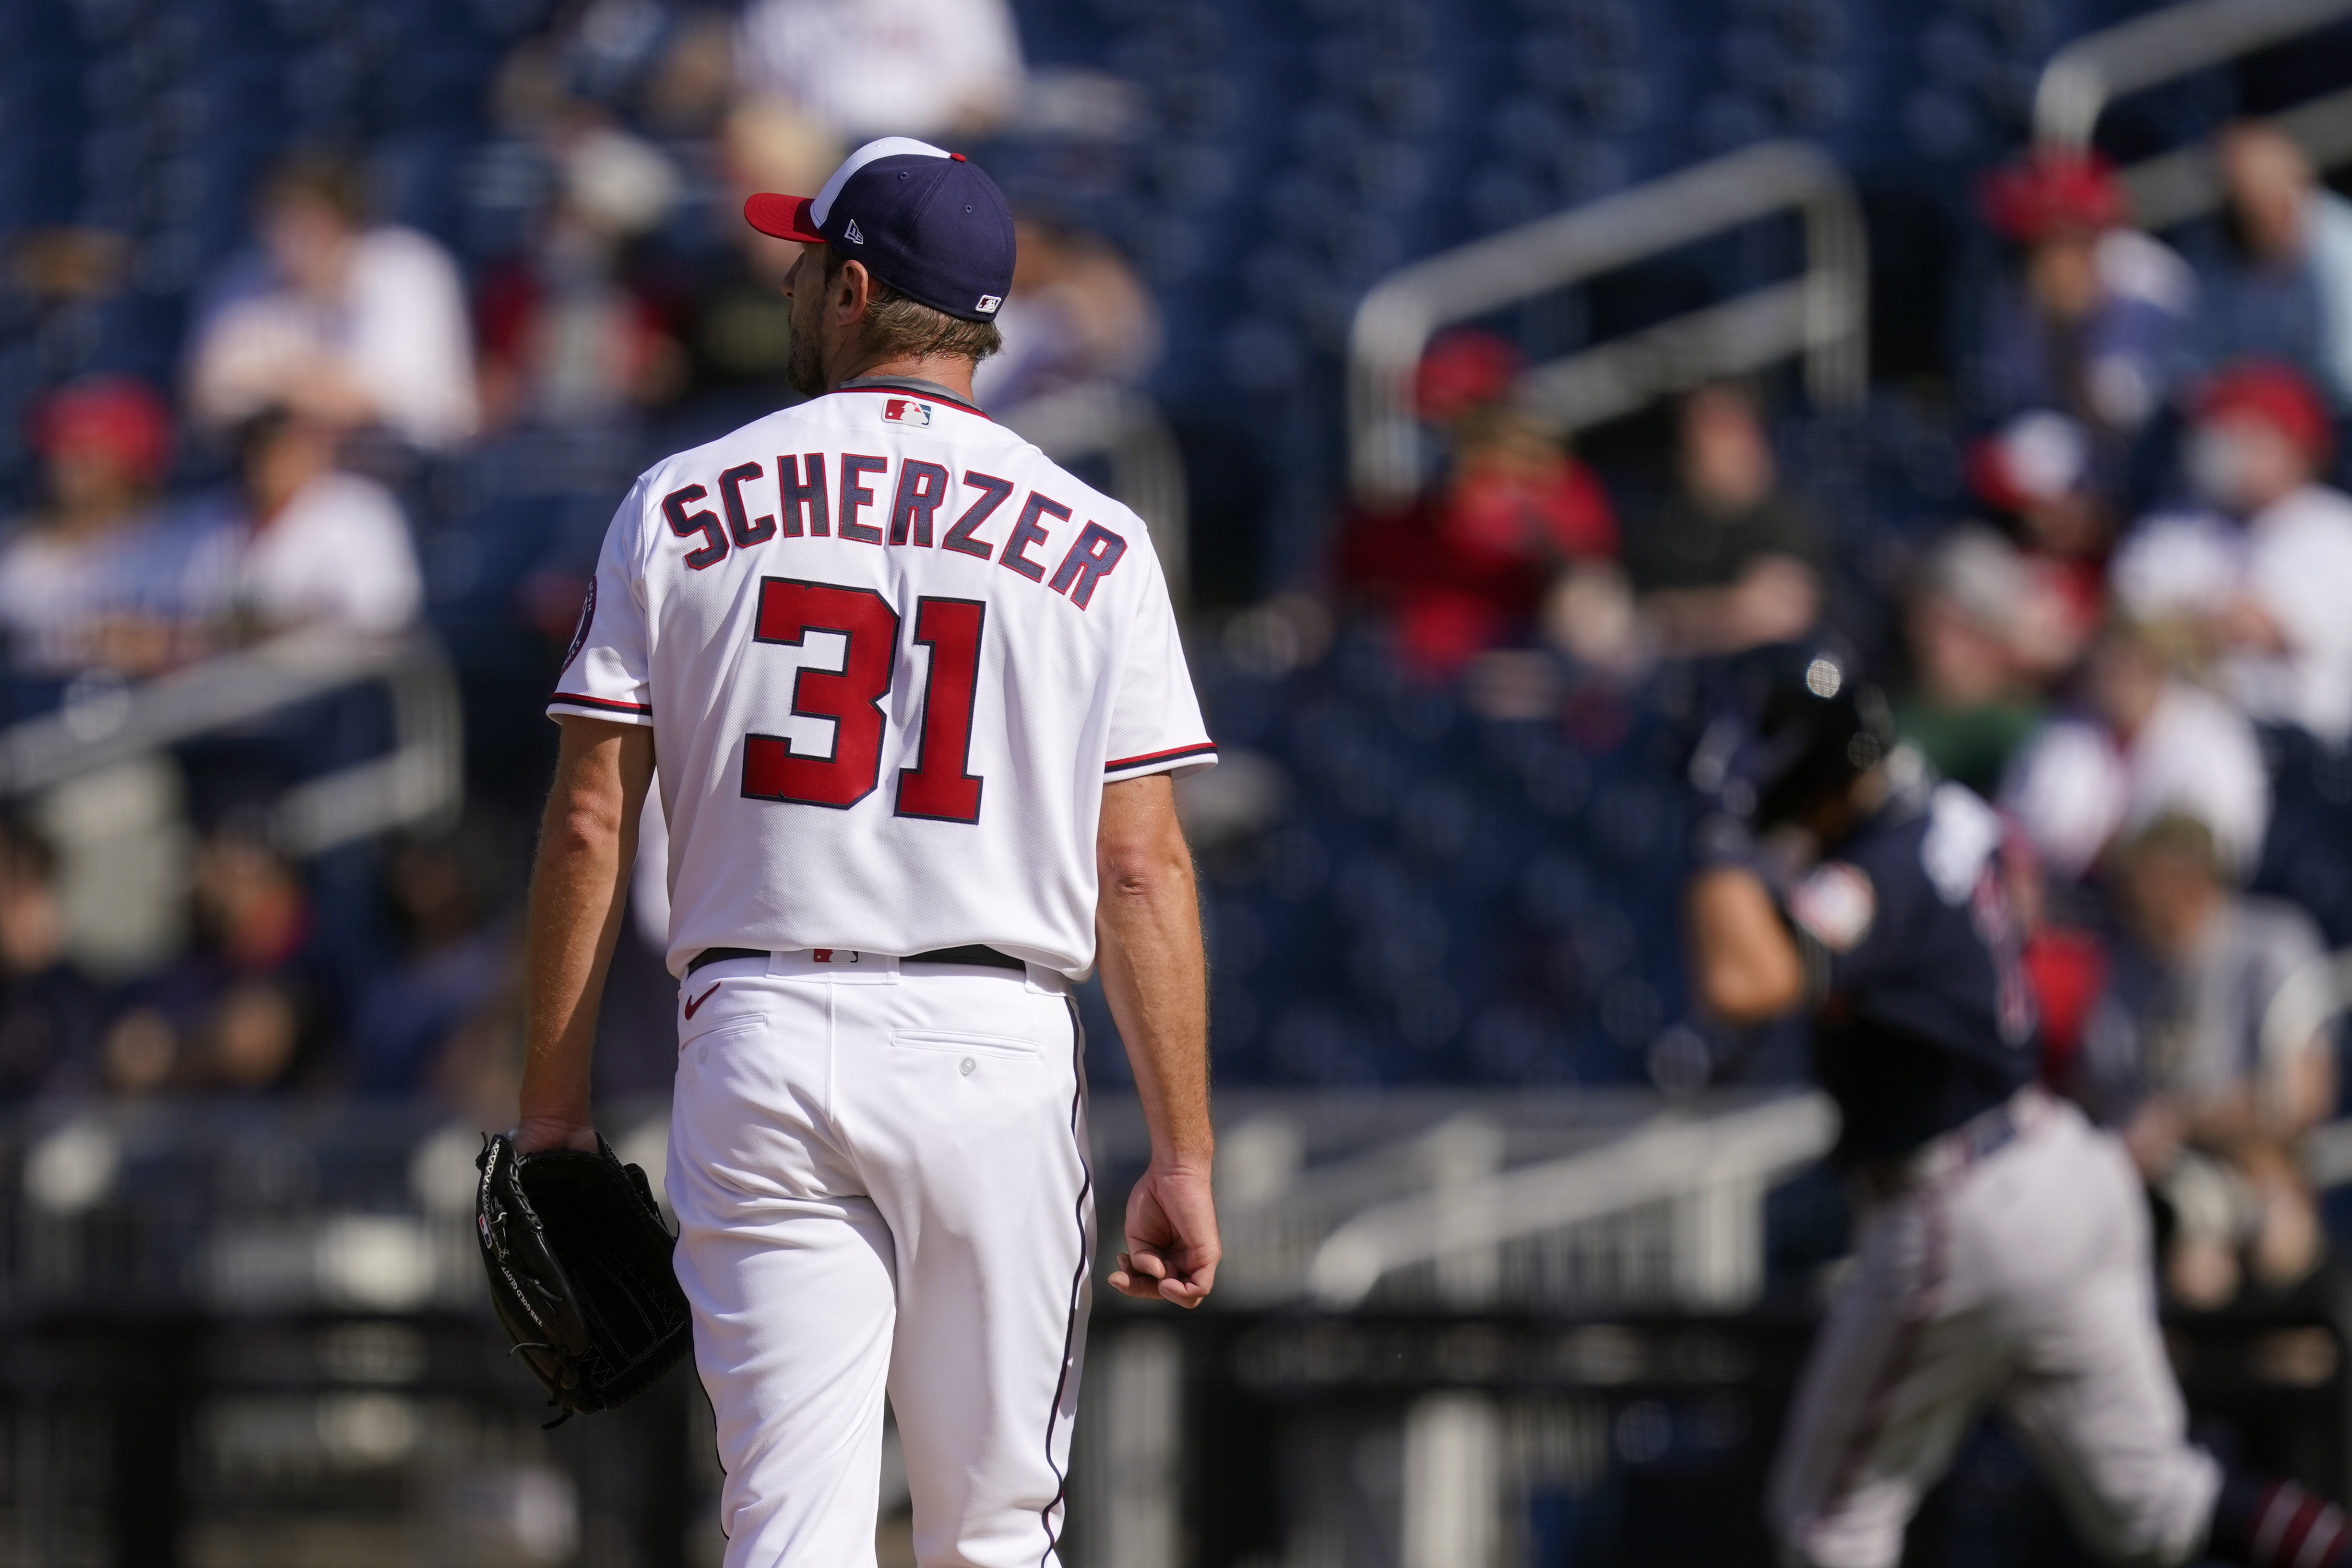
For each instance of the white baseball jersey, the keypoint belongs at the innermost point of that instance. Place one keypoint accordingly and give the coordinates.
(891, 653)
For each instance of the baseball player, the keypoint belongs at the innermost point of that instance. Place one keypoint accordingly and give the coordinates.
(2001, 1246)
(916, 697)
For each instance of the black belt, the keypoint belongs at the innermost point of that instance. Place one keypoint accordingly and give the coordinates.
(974, 954)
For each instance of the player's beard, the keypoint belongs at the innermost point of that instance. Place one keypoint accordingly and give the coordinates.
(805, 364)
(804, 360)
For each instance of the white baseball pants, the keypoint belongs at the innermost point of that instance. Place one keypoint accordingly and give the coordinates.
(2022, 1278)
(881, 1182)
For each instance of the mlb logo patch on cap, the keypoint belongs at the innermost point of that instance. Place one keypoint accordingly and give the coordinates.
(906, 410)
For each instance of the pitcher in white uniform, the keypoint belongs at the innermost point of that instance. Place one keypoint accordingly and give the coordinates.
(916, 697)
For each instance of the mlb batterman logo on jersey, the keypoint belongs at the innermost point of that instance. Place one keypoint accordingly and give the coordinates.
(905, 411)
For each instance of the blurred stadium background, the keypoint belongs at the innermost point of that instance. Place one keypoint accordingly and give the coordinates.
(332, 330)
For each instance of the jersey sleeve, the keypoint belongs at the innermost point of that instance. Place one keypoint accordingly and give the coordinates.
(1841, 932)
(1866, 918)
(605, 673)
(1155, 726)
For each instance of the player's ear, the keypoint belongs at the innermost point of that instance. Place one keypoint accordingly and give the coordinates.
(853, 286)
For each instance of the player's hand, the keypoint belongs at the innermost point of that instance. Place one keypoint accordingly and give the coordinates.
(1172, 1238)
(537, 1135)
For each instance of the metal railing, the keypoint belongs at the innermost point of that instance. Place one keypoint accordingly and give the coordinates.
(418, 780)
(2173, 187)
(2082, 79)
(1822, 314)
(2096, 69)
(1489, 1205)
(259, 1332)
(1712, 1170)
(1125, 428)
(1497, 1202)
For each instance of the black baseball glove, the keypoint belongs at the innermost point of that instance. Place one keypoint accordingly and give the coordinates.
(579, 1271)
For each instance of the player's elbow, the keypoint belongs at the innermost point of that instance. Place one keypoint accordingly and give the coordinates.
(600, 770)
(1141, 856)
(1750, 990)
(1144, 873)
(582, 824)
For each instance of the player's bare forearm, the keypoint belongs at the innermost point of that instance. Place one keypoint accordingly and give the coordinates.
(587, 842)
(1746, 964)
(1147, 928)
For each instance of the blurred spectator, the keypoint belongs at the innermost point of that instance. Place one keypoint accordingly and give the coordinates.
(95, 578)
(1466, 567)
(452, 960)
(2147, 744)
(349, 323)
(692, 84)
(2190, 1056)
(567, 338)
(1980, 628)
(50, 1013)
(2094, 322)
(2038, 475)
(735, 324)
(2263, 578)
(245, 1009)
(1077, 315)
(863, 68)
(2286, 292)
(301, 543)
(1734, 560)
(58, 268)
(670, 69)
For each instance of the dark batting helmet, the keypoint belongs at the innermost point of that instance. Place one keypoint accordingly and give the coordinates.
(1797, 725)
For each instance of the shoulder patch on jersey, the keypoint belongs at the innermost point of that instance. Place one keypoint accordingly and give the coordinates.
(1836, 905)
(905, 411)
(1962, 833)
(579, 633)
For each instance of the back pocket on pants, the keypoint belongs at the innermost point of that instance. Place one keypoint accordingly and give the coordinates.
(994, 1045)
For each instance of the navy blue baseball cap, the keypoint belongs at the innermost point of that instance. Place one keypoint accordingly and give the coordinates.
(928, 222)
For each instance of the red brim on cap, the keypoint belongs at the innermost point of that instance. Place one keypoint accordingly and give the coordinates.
(786, 217)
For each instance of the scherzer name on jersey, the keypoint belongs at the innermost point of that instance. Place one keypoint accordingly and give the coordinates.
(901, 653)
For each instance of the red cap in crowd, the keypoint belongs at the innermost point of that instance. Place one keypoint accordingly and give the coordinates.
(2051, 192)
(1464, 370)
(118, 415)
(2036, 459)
(2267, 389)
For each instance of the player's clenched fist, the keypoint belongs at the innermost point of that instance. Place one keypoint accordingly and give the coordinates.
(1171, 1239)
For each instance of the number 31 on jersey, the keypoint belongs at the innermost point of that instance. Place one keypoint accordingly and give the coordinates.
(941, 786)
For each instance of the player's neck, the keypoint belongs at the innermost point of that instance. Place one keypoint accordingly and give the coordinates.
(952, 371)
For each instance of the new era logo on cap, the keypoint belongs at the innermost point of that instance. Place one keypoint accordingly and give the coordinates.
(906, 410)
(929, 224)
